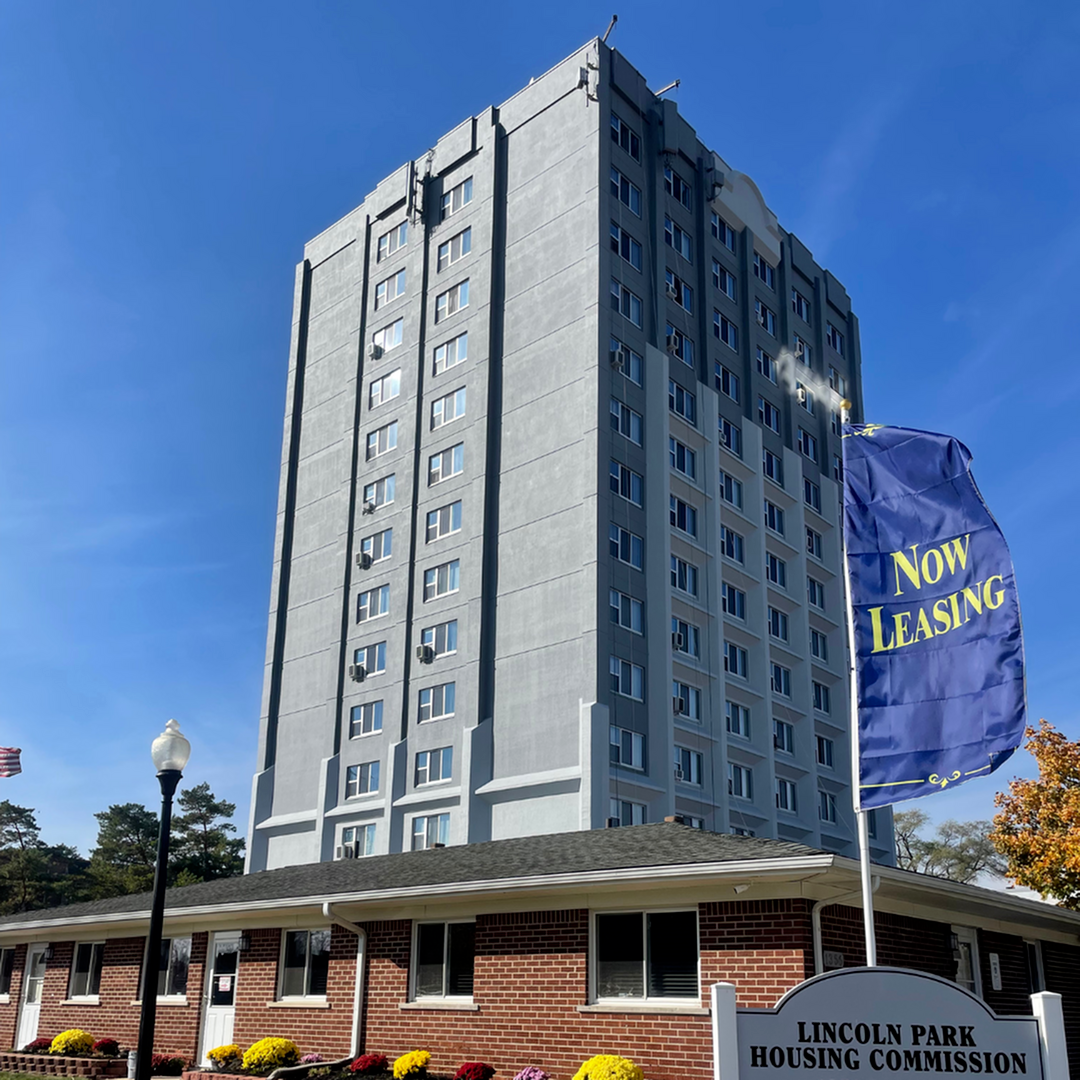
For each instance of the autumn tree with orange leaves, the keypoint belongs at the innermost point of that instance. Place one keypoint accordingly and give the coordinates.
(1037, 827)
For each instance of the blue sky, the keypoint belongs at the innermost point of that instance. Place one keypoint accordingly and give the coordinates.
(162, 165)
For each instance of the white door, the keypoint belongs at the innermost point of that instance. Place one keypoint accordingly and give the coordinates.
(33, 982)
(220, 991)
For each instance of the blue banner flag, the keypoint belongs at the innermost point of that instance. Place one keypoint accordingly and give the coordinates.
(939, 652)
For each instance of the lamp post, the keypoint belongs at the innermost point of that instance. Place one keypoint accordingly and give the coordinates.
(170, 751)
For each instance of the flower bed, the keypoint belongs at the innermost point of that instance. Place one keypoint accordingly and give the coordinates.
(57, 1065)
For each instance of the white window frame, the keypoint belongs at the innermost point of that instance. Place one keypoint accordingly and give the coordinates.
(636, 674)
(765, 317)
(448, 408)
(382, 440)
(732, 601)
(453, 250)
(385, 388)
(456, 199)
(827, 807)
(678, 188)
(429, 636)
(356, 777)
(424, 774)
(626, 421)
(630, 538)
(357, 719)
(619, 739)
(780, 679)
(305, 996)
(737, 719)
(764, 271)
(439, 818)
(970, 935)
(395, 281)
(745, 776)
(453, 300)
(625, 191)
(619, 604)
(625, 247)
(437, 515)
(453, 570)
(385, 537)
(390, 336)
(726, 331)
(376, 652)
(741, 669)
(678, 396)
(783, 736)
(825, 751)
(790, 796)
(395, 239)
(722, 231)
(455, 455)
(366, 600)
(97, 962)
(645, 998)
(429, 704)
(682, 458)
(414, 961)
(440, 361)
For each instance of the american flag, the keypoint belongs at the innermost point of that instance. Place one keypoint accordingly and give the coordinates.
(9, 760)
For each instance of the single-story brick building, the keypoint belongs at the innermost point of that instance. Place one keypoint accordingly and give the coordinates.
(535, 951)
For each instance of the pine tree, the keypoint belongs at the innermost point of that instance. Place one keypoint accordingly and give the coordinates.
(123, 861)
(203, 848)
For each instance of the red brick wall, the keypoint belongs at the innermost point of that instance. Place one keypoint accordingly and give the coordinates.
(9, 1013)
(901, 941)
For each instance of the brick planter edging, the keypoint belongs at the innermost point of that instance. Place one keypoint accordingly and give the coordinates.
(54, 1065)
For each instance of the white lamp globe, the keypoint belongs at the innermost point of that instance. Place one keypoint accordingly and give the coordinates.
(170, 750)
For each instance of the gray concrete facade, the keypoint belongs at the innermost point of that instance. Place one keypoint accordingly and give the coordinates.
(561, 551)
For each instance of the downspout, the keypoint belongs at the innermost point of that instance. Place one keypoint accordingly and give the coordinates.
(815, 920)
(361, 956)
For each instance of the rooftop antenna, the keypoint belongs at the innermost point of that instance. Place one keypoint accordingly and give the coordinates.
(611, 26)
(670, 86)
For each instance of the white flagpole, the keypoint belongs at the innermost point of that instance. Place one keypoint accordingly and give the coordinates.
(853, 710)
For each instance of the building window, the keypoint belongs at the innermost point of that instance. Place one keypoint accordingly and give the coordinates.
(819, 646)
(372, 658)
(457, 247)
(764, 272)
(365, 719)
(731, 490)
(627, 193)
(723, 280)
(740, 781)
(429, 831)
(778, 624)
(731, 544)
(305, 963)
(735, 660)
(731, 436)
(7, 967)
(441, 638)
(786, 796)
(627, 483)
(625, 302)
(444, 957)
(683, 459)
(378, 546)
(813, 542)
(675, 238)
(766, 365)
(774, 518)
(800, 305)
(626, 421)
(727, 382)
(772, 467)
(385, 389)
(808, 445)
(451, 353)
(679, 345)
(455, 199)
(446, 463)
(437, 702)
(678, 188)
(1032, 953)
(824, 752)
(646, 955)
(452, 301)
(687, 700)
(835, 338)
(434, 765)
(441, 580)
(389, 337)
(683, 516)
(838, 468)
(626, 748)
(684, 576)
(738, 830)
(679, 291)
(626, 611)
(390, 289)
(85, 980)
(783, 736)
(738, 719)
(689, 766)
(382, 440)
(685, 637)
(625, 246)
(622, 812)
(372, 603)
(627, 361)
(733, 601)
(966, 954)
(390, 241)
(776, 569)
(781, 680)
(815, 593)
(625, 136)
(766, 317)
(805, 397)
(725, 330)
(722, 231)
(361, 779)
(811, 494)
(768, 414)
(827, 806)
(822, 698)
(444, 521)
(803, 351)
(361, 838)
(626, 546)
(627, 680)
(682, 402)
(871, 823)
(835, 423)
(448, 408)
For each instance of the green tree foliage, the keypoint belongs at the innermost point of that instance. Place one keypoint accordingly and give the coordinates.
(203, 845)
(958, 850)
(123, 860)
(33, 874)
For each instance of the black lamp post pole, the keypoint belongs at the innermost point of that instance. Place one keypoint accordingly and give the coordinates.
(168, 778)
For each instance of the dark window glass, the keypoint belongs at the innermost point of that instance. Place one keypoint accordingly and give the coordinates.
(619, 955)
(430, 945)
(460, 951)
(673, 958)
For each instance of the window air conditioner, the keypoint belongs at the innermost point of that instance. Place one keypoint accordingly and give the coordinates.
(678, 641)
(678, 772)
(612, 822)
(672, 292)
(672, 343)
(374, 351)
(679, 704)
(618, 359)
(369, 508)
(425, 654)
(363, 560)
(357, 672)
(346, 851)
(800, 393)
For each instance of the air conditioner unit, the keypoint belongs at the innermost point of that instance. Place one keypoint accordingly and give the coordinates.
(800, 393)
(679, 705)
(425, 654)
(618, 359)
(672, 292)
(672, 343)
(346, 851)
(374, 351)
(369, 508)
(612, 822)
(363, 560)
(678, 772)
(357, 672)
(678, 641)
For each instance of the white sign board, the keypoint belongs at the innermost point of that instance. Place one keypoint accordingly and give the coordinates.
(876, 1022)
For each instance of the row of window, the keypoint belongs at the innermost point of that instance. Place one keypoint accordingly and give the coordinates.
(435, 703)
(785, 792)
(430, 767)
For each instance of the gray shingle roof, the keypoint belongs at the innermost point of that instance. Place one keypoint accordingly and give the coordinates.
(562, 854)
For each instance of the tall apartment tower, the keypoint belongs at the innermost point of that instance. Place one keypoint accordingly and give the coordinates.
(558, 537)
